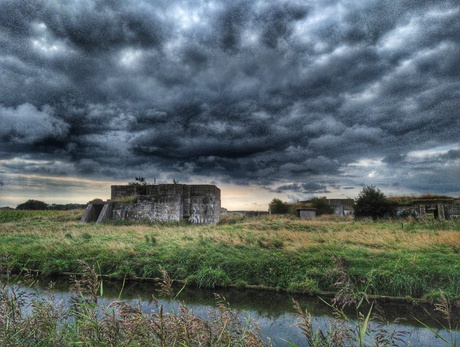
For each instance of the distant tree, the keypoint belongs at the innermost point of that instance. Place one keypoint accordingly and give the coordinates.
(279, 207)
(139, 181)
(140, 184)
(371, 202)
(322, 206)
(32, 205)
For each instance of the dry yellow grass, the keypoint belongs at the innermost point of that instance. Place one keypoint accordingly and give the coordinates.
(293, 233)
(245, 249)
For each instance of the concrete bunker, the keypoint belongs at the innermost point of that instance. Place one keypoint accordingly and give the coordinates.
(198, 204)
(439, 209)
(93, 210)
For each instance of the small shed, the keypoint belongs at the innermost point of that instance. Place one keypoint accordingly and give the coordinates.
(306, 213)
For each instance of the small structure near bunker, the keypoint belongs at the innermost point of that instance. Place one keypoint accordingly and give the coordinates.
(198, 204)
(306, 213)
(437, 208)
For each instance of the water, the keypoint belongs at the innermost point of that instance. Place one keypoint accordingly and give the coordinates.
(273, 312)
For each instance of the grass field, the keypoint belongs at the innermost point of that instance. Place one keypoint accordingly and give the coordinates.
(398, 258)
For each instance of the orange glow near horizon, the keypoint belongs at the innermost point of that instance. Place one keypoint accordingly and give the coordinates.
(82, 190)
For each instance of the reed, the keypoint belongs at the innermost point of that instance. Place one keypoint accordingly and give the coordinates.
(85, 322)
(30, 318)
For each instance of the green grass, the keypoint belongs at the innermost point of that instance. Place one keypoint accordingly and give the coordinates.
(399, 258)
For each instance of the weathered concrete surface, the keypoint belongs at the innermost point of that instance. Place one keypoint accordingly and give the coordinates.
(440, 209)
(161, 209)
(306, 213)
(199, 204)
(91, 213)
(106, 213)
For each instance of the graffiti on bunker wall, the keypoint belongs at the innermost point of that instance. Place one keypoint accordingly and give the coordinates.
(198, 204)
(202, 210)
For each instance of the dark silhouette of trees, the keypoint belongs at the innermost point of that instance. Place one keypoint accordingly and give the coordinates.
(371, 202)
(279, 207)
(32, 205)
(140, 184)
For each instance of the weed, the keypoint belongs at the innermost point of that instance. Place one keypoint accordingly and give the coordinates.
(444, 307)
(30, 318)
(308, 286)
(150, 239)
(86, 236)
(359, 330)
(7, 216)
(209, 278)
(270, 244)
(88, 323)
(130, 199)
(241, 284)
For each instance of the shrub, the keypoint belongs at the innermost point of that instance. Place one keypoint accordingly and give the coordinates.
(32, 205)
(371, 202)
(322, 206)
(279, 207)
(140, 184)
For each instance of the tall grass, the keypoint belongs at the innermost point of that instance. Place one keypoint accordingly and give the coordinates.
(29, 318)
(399, 258)
(32, 319)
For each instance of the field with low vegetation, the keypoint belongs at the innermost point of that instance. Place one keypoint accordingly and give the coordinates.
(404, 258)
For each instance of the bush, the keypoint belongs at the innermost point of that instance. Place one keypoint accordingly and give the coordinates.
(371, 202)
(279, 207)
(32, 205)
(141, 185)
(322, 206)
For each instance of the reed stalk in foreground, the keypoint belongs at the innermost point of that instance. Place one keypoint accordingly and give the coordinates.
(364, 329)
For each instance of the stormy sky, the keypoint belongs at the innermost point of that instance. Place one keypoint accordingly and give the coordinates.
(291, 99)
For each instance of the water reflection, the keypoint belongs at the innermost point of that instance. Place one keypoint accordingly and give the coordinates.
(273, 312)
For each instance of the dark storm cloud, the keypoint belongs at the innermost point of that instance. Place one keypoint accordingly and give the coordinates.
(25, 126)
(265, 92)
(393, 159)
(106, 25)
(303, 188)
(453, 154)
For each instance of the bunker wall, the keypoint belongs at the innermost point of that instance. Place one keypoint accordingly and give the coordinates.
(167, 202)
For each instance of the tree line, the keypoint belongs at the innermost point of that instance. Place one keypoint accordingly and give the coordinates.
(370, 203)
(40, 205)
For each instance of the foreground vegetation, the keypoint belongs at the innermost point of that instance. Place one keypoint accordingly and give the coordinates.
(36, 318)
(398, 258)
(31, 318)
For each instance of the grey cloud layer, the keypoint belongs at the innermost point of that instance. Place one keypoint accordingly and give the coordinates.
(246, 91)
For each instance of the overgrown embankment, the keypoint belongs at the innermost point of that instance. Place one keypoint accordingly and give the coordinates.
(398, 258)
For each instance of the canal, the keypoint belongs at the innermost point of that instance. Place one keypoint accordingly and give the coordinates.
(274, 312)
